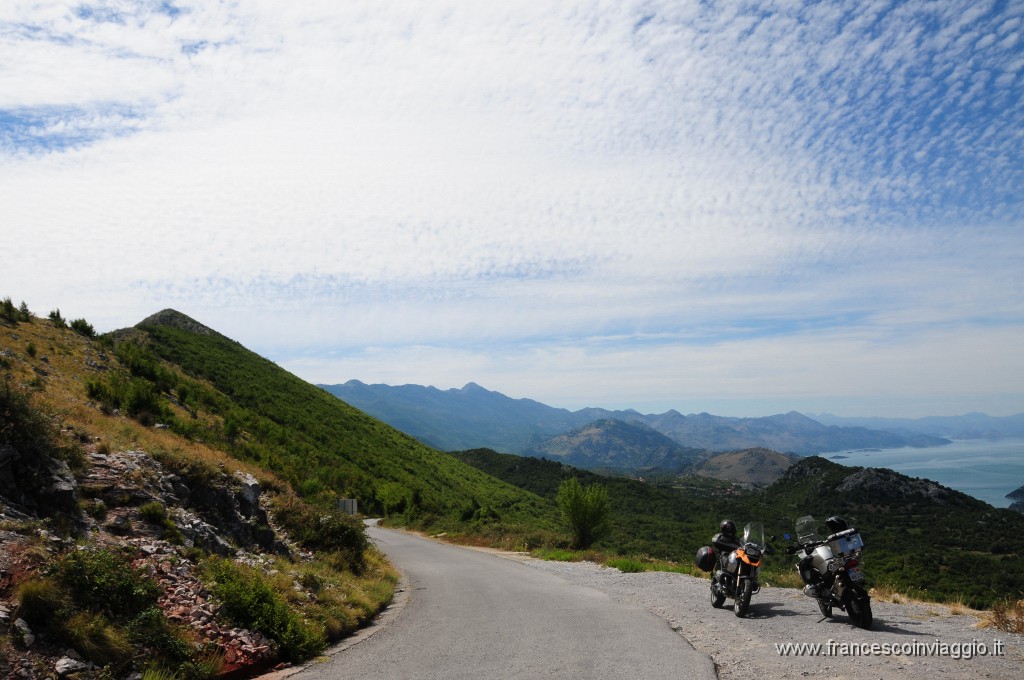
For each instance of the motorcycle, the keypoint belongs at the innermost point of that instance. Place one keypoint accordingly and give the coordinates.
(830, 568)
(735, 575)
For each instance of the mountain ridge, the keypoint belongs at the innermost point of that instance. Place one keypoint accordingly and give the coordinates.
(474, 417)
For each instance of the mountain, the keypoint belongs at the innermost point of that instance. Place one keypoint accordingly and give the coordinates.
(759, 466)
(476, 417)
(321, 445)
(967, 426)
(458, 418)
(615, 444)
(791, 432)
(126, 513)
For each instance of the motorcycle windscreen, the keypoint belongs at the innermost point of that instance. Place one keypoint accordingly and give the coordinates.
(807, 530)
(754, 533)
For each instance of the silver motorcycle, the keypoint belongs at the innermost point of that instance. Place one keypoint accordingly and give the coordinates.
(830, 568)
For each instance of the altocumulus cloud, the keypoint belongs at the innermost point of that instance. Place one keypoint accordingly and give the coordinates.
(744, 207)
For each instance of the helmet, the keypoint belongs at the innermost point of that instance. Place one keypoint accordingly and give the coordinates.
(836, 524)
(727, 527)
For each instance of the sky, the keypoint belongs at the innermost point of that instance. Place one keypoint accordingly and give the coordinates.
(732, 207)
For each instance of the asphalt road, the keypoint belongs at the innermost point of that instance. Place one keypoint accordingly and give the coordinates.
(470, 614)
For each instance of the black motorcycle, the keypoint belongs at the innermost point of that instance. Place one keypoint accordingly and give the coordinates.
(830, 568)
(735, 575)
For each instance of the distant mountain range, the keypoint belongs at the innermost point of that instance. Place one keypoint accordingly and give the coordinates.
(968, 426)
(474, 417)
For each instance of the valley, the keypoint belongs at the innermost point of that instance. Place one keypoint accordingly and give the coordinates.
(189, 416)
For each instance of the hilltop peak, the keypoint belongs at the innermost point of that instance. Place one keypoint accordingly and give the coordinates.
(175, 319)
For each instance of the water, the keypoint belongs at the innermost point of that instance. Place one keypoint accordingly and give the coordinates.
(987, 470)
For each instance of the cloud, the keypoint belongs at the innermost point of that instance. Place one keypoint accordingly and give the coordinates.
(481, 182)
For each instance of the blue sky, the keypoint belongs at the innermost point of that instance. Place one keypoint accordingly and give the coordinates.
(739, 208)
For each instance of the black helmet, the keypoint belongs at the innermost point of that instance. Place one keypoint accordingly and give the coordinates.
(836, 524)
(727, 527)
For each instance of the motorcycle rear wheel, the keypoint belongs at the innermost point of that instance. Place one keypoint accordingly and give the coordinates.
(743, 601)
(826, 607)
(858, 606)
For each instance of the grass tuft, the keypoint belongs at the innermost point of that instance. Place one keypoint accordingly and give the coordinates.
(1007, 614)
(97, 639)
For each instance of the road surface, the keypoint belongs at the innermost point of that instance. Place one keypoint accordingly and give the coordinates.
(470, 614)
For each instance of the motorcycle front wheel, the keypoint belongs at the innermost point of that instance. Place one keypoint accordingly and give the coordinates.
(858, 606)
(743, 601)
(826, 607)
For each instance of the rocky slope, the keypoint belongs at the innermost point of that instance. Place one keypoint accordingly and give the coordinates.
(213, 515)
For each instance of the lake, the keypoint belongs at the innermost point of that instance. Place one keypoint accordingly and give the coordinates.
(985, 469)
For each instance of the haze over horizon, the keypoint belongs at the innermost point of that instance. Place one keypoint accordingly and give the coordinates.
(743, 209)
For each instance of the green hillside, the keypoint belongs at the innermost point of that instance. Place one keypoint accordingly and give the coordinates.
(921, 538)
(326, 449)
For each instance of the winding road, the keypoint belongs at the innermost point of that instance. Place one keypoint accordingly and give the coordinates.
(470, 614)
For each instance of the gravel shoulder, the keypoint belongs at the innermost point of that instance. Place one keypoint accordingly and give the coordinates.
(746, 648)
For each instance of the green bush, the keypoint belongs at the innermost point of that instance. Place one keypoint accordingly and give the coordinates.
(152, 628)
(83, 327)
(153, 512)
(103, 580)
(321, 529)
(252, 603)
(7, 311)
(585, 511)
(57, 319)
(30, 431)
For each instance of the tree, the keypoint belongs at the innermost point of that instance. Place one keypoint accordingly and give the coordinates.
(586, 511)
(83, 327)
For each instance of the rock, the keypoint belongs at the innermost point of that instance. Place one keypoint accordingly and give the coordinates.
(63, 489)
(66, 665)
(119, 526)
(22, 630)
(248, 495)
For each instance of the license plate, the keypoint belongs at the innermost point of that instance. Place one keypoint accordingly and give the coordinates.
(855, 574)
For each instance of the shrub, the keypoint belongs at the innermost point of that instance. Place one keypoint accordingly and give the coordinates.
(57, 319)
(7, 311)
(32, 432)
(31, 349)
(83, 327)
(102, 580)
(170, 641)
(585, 510)
(252, 603)
(153, 512)
(1008, 614)
(321, 529)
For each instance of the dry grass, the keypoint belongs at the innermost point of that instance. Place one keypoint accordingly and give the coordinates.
(1007, 614)
(887, 593)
